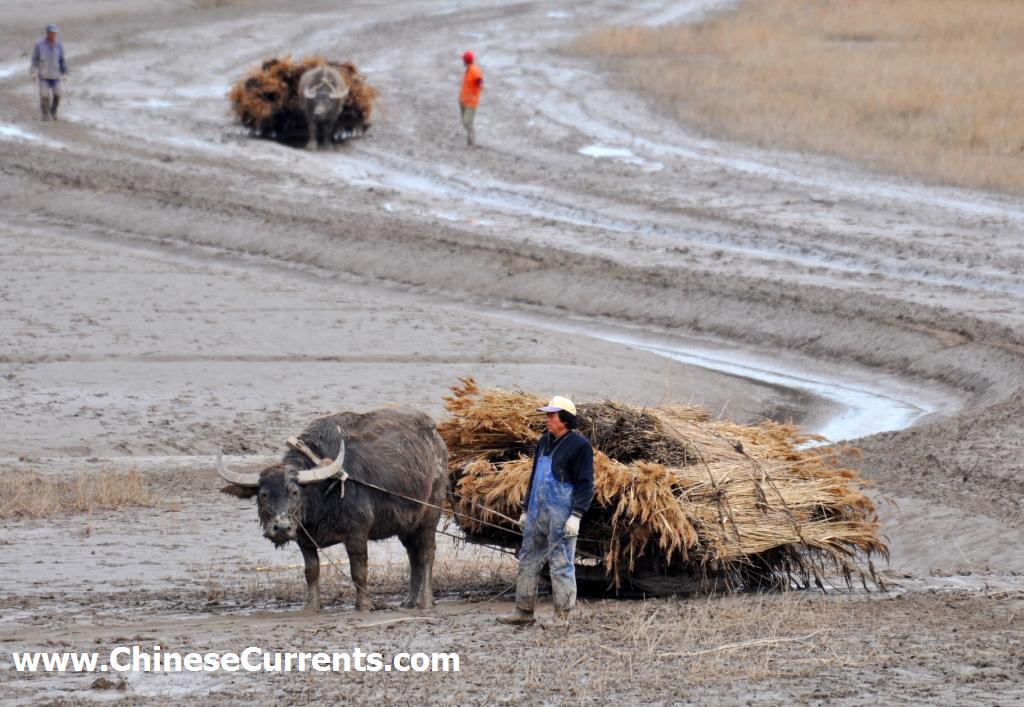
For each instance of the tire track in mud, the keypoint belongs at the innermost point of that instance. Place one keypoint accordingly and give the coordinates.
(366, 244)
(912, 340)
(818, 258)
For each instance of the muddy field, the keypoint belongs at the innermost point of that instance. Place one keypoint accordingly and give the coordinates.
(171, 286)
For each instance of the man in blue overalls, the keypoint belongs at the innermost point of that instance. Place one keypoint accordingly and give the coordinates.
(561, 489)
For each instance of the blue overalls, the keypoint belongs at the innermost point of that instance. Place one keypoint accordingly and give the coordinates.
(549, 507)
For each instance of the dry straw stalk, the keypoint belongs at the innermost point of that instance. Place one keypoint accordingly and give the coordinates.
(675, 491)
(267, 101)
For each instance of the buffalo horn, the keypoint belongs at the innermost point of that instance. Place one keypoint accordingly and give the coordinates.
(234, 477)
(319, 473)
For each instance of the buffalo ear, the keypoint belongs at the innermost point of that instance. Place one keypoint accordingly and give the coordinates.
(240, 491)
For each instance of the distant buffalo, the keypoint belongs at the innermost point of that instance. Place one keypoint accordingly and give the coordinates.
(395, 449)
(323, 93)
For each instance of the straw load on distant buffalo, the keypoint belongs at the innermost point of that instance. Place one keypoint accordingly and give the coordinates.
(387, 479)
(308, 102)
(682, 503)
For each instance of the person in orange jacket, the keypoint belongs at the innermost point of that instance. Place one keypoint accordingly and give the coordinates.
(469, 97)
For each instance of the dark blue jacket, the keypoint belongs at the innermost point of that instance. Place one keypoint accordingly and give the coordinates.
(572, 461)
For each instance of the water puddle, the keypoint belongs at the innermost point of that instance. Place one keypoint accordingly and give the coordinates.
(10, 69)
(864, 412)
(13, 132)
(218, 91)
(865, 409)
(620, 154)
(456, 218)
(155, 103)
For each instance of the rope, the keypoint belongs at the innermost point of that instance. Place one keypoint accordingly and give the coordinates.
(446, 510)
(301, 446)
(464, 515)
(452, 511)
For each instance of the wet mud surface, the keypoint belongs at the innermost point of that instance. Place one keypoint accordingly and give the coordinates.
(171, 286)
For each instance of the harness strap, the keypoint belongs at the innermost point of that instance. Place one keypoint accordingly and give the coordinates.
(298, 444)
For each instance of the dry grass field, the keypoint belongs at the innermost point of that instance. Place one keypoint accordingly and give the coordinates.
(928, 88)
(29, 495)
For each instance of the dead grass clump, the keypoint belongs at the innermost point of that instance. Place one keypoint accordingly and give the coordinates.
(267, 102)
(30, 495)
(918, 87)
(743, 504)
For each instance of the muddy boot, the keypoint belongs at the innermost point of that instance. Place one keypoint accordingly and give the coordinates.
(53, 107)
(518, 618)
(44, 107)
(562, 617)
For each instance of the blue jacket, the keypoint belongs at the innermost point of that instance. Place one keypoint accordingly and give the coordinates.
(49, 60)
(572, 461)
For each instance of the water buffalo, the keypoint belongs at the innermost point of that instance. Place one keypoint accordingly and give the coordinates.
(323, 92)
(398, 450)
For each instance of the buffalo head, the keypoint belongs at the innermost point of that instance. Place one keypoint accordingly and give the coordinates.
(280, 497)
(324, 92)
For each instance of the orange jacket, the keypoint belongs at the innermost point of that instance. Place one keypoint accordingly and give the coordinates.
(472, 84)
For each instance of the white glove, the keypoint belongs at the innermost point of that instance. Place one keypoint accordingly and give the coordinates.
(522, 519)
(572, 527)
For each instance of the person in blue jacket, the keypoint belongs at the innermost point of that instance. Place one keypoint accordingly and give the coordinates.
(49, 66)
(560, 491)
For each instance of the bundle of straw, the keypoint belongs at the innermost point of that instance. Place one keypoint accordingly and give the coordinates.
(266, 100)
(675, 491)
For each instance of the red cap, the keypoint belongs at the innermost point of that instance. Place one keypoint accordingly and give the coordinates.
(467, 58)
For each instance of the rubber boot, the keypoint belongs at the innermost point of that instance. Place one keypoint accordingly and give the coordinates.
(518, 618)
(44, 106)
(53, 107)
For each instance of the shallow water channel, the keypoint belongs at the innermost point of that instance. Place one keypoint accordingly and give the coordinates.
(861, 403)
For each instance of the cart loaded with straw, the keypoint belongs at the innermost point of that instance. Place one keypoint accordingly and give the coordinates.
(682, 504)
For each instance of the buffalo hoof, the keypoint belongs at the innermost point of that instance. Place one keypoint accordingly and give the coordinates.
(412, 603)
(311, 608)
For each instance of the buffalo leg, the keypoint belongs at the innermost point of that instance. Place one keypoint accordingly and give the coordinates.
(421, 546)
(357, 559)
(411, 543)
(312, 560)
